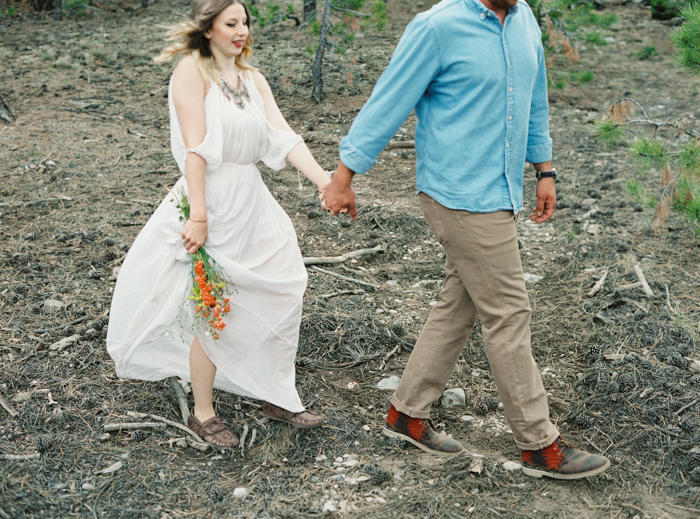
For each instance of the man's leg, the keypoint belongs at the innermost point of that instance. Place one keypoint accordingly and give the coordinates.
(438, 347)
(482, 251)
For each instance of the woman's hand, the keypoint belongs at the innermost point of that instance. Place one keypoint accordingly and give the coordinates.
(194, 234)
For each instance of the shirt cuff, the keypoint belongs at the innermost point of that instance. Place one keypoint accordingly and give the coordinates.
(355, 160)
(539, 153)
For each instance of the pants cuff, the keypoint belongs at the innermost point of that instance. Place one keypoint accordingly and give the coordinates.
(423, 414)
(535, 446)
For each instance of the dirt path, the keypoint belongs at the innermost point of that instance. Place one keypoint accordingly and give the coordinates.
(88, 160)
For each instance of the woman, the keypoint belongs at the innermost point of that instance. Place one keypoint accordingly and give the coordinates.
(223, 120)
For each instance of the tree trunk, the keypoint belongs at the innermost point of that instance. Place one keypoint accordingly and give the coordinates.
(6, 115)
(144, 3)
(316, 69)
(309, 9)
(58, 9)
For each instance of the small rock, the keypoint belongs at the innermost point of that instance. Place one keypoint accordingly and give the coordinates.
(52, 306)
(389, 383)
(329, 507)
(467, 418)
(532, 278)
(111, 469)
(512, 466)
(349, 463)
(88, 486)
(454, 398)
(240, 492)
(366, 428)
(476, 466)
(22, 397)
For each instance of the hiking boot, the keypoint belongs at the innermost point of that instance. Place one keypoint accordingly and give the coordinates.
(561, 461)
(420, 433)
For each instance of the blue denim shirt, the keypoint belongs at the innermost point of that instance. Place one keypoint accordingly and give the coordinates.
(480, 93)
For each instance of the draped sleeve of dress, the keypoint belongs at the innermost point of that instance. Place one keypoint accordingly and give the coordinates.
(151, 323)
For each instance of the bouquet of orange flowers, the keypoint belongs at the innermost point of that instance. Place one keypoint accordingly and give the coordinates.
(208, 283)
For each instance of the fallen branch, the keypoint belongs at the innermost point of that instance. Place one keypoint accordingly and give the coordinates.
(345, 278)
(344, 257)
(19, 203)
(342, 293)
(181, 398)
(157, 418)
(388, 356)
(596, 288)
(67, 341)
(243, 438)
(8, 407)
(630, 286)
(118, 427)
(668, 301)
(643, 281)
(17, 457)
(691, 404)
(62, 326)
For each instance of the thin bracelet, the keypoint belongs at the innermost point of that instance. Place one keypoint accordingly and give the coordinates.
(197, 221)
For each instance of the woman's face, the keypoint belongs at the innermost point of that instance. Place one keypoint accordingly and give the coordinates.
(229, 32)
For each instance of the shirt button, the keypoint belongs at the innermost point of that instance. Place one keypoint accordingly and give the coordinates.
(481, 16)
(511, 89)
(510, 117)
(507, 144)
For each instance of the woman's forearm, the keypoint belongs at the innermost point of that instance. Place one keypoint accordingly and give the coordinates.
(301, 158)
(195, 171)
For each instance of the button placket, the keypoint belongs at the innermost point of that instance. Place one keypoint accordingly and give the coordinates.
(509, 110)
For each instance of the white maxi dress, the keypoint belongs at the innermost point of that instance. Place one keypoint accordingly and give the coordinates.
(253, 241)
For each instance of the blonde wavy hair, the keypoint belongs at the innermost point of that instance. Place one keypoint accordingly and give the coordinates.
(188, 38)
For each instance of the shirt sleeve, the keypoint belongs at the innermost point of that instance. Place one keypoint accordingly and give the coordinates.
(211, 147)
(279, 144)
(539, 144)
(413, 66)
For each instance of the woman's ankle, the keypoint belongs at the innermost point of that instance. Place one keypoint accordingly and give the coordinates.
(202, 414)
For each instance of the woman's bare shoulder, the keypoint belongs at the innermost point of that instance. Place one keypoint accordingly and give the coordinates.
(187, 75)
(260, 81)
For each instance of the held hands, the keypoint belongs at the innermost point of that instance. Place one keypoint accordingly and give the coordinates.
(194, 234)
(546, 200)
(338, 197)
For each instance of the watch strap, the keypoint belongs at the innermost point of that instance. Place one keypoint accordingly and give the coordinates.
(546, 174)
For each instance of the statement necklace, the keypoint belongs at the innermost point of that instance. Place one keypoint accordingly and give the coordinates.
(237, 94)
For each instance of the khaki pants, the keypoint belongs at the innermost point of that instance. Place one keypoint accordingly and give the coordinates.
(484, 278)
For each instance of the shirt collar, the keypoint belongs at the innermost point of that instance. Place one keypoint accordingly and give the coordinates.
(478, 7)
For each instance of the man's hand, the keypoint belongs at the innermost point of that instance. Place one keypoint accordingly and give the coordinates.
(546, 200)
(339, 196)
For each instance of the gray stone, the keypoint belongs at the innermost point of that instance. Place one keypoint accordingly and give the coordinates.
(389, 383)
(511, 466)
(532, 278)
(240, 492)
(52, 306)
(453, 398)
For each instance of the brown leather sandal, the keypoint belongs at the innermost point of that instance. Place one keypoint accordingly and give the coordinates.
(214, 431)
(302, 420)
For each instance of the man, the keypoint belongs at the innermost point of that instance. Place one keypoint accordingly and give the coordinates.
(474, 71)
